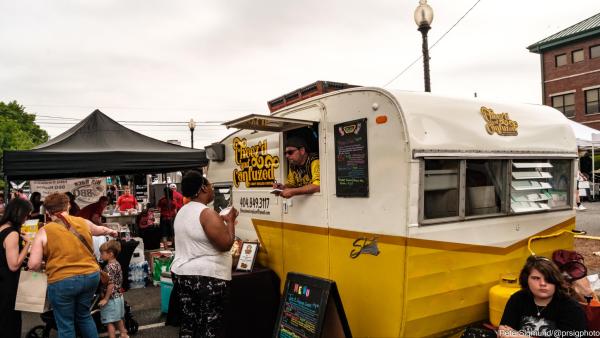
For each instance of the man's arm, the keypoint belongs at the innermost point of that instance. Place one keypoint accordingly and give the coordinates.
(313, 187)
(305, 190)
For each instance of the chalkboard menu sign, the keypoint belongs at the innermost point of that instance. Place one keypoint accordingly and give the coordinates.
(311, 308)
(138, 187)
(351, 159)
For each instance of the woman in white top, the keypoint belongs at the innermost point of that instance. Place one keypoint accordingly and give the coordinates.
(202, 264)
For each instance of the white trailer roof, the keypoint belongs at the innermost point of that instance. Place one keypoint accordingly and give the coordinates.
(444, 126)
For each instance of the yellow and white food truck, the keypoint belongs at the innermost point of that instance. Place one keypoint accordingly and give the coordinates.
(424, 200)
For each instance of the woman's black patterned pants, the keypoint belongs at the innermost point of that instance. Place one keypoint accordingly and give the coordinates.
(202, 305)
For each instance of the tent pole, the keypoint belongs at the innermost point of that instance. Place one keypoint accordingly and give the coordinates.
(593, 174)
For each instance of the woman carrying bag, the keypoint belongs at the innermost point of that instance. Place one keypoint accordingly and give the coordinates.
(73, 272)
(10, 264)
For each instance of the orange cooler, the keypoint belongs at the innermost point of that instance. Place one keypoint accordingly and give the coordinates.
(499, 295)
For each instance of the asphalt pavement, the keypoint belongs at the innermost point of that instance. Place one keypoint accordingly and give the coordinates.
(589, 220)
(145, 305)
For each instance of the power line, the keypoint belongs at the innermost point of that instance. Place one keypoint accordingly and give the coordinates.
(203, 127)
(135, 108)
(124, 121)
(433, 45)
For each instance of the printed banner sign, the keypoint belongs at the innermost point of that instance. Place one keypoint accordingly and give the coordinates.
(86, 190)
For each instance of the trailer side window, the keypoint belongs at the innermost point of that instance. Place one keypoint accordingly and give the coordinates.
(222, 196)
(486, 181)
(441, 188)
(540, 185)
(461, 189)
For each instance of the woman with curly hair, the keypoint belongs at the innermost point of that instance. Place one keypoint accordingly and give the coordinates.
(543, 306)
(73, 272)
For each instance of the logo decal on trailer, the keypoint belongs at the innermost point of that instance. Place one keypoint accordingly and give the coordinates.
(500, 123)
(256, 167)
(363, 245)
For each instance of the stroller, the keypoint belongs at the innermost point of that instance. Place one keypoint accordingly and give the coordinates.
(124, 257)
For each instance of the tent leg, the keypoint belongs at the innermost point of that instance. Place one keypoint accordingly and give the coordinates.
(593, 175)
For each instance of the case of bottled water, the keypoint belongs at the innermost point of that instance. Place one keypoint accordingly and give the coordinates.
(138, 273)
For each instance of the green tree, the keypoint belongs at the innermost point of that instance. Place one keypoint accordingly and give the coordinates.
(18, 130)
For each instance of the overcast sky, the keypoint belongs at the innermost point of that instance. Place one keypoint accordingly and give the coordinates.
(215, 60)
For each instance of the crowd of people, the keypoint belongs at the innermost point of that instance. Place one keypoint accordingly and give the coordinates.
(63, 248)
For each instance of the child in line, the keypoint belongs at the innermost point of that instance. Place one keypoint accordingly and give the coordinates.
(112, 305)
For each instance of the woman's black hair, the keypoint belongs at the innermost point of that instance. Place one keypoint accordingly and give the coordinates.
(168, 193)
(548, 269)
(16, 213)
(34, 195)
(36, 201)
(192, 182)
(71, 196)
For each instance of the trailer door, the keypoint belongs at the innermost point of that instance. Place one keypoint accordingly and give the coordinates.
(305, 228)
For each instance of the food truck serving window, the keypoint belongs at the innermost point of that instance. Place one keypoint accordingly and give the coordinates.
(455, 189)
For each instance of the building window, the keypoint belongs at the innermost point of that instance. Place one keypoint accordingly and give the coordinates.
(577, 55)
(591, 101)
(594, 51)
(565, 103)
(560, 60)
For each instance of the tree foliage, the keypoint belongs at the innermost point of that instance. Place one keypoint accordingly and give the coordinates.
(18, 130)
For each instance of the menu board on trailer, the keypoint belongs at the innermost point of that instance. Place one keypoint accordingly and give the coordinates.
(351, 159)
(311, 307)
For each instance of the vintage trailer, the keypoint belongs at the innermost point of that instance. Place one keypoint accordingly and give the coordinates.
(425, 200)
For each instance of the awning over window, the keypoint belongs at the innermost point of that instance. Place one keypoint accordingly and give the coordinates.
(267, 123)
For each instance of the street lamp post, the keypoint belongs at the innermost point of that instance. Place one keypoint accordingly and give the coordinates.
(423, 19)
(192, 126)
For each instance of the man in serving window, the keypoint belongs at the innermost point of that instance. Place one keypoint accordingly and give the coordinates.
(303, 173)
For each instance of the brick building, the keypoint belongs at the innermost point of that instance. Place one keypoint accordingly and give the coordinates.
(570, 61)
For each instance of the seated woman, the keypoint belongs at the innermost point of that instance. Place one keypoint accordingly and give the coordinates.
(543, 305)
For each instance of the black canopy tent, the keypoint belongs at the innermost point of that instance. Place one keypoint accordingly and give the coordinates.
(99, 146)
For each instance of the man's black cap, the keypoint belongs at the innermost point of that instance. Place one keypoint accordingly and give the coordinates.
(296, 142)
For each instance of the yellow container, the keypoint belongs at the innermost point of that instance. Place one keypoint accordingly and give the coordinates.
(499, 295)
(29, 229)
